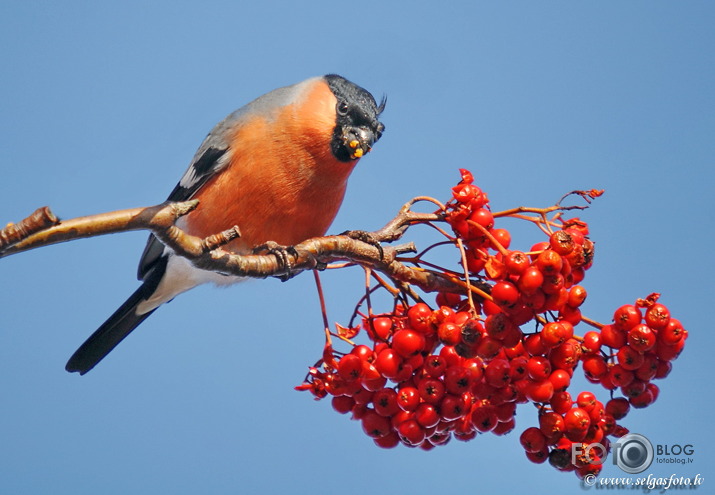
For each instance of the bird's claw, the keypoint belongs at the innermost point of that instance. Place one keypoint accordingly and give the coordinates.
(282, 255)
(367, 238)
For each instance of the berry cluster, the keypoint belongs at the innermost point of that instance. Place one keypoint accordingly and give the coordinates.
(462, 368)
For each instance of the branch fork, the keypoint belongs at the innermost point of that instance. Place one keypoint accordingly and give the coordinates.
(42, 228)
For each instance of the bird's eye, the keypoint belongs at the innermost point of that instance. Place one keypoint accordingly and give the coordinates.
(342, 108)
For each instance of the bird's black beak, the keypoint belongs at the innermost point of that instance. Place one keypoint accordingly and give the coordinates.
(358, 140)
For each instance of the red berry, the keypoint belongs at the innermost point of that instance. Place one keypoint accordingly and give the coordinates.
(592, 341)
(498, 325)
(554, 333)
(649, 368)
(350, 367)
(530, 280)
(549, 262)
(562, 242)
(538, 368)
(673, 332)
(362, 396)
(497, 373)
(560, 379)
(566, 355)
(411, 432)
(555, 301)
(483, 217)
(538, 457)
(389, 441)
(343, 404)
(554, 285)
(532, 439)
(594, 366)
(442, 314)
(505, 412)
(670, 352)
(458, 379)
(586, 400)
(484, 418)
(452, 407)
(426, 415)
(450, 356)
(374, 425)
(634, 389)
(657, 316)
(449, 333)
(408, 398)
(375, 383)
(576, 423)
(535, 301)
(540, 391)
(385, 402)
(613, 337)
(388, 363)
(516, 262)
(561, 402)
(431, 390)
(620, 376)
(534, 345)
(641, 338)
(626, 317)
(468, 178)
(618, 407)
(504, 427)
(629, 358)
(505, 293)
(551, 425)
(419, 317)
(577, 295)
(644, 399)
(502, 236)
(664, 369)
(407, 342)
(382, 327)
(435, 365)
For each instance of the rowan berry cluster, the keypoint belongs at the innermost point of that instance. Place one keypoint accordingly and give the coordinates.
(461, 369)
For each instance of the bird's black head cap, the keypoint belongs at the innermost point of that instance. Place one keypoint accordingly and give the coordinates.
(357, 125)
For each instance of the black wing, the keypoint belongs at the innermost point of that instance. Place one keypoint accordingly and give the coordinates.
(209, 160)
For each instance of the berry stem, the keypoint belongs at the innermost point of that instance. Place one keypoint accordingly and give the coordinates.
(476, 290)
(430, 199)
(418, 262)
(591, 322)
(321, 297)
(463, 253)
(368, 291)
(538, 221)
(489, 236)
(392, 290)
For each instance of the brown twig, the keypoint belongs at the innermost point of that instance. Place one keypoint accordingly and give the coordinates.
(209, 254)
(41, 219)
(159, 219)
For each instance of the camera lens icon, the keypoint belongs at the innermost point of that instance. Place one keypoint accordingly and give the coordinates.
(633, 453)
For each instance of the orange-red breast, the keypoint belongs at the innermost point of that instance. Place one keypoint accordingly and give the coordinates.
(277, 168)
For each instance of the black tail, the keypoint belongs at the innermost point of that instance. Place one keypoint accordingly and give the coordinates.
(110, 334)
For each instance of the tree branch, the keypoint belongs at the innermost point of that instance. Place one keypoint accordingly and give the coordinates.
(14, 233)
(208, 254)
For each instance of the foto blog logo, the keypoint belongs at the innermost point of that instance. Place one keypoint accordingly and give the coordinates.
(632, 453)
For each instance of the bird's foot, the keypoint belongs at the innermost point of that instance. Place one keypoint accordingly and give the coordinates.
(367, 238)
(282, 254)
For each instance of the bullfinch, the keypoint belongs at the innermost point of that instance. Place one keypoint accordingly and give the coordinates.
(277, 168)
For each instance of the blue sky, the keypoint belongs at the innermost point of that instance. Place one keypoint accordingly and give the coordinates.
(102, 105)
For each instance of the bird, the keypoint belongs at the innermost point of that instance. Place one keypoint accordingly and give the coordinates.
(276, 167)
